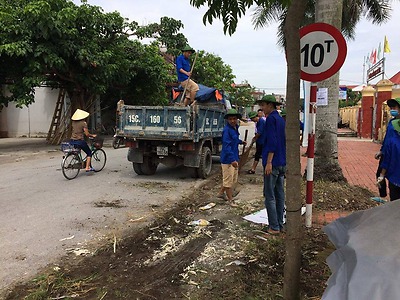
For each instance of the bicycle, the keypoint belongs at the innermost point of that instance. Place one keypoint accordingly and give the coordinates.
(73, 162)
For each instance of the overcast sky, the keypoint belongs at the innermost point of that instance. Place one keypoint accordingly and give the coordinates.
(253, 54)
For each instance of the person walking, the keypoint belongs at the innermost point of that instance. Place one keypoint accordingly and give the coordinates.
(258, 138)
(394, 105)
(274, 163)
(230, 155)
(184, 73)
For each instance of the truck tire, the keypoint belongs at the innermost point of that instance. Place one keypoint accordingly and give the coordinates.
(137, 168)
(148, 166)
(205, 163)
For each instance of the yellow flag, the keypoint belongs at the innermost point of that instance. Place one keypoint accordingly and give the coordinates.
(386, 47)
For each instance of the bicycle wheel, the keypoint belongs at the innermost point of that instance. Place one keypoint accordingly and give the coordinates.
(71, 166)
(98, 160)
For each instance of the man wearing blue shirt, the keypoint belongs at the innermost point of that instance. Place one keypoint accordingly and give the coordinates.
(391, 162)
(274, 163)
(394, 105)
(184, 73)
(258, 138)
(229, 156)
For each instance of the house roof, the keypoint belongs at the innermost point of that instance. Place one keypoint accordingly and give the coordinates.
(396, 78)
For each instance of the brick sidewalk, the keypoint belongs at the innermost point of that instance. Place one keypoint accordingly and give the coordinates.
(356, 158)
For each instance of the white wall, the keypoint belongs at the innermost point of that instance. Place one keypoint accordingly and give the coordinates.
(32, 121)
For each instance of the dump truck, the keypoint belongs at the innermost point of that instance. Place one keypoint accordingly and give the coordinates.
(173, 135)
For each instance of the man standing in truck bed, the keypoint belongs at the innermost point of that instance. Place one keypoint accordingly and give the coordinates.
(184, 74)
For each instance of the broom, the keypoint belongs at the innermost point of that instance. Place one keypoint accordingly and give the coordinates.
(245, 153)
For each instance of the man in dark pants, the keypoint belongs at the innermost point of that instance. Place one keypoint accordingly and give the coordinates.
(274, 163)
(394, 105)
(258, 139)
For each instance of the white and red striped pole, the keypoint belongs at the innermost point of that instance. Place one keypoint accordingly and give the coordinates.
(310, 153)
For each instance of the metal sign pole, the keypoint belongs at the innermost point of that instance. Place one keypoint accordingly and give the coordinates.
(310, 153)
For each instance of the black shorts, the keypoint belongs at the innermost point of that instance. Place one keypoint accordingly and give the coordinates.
(258, 154)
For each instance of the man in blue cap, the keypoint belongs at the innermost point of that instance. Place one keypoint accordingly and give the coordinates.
(274, 163)
(184, 73)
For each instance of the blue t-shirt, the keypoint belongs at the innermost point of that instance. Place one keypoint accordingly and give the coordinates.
(260, 129)
(274, 140)
(182, 63)
(390, 132)
(230, 144)
(391, 158)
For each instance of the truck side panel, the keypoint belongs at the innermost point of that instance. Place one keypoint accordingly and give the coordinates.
(171, 123)
(156, 122)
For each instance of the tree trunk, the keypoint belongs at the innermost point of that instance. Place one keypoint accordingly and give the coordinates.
(326, 147)
(291, 285)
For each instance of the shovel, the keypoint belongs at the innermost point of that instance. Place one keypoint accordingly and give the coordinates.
(245, 155)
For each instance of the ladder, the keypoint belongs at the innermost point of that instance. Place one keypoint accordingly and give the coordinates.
(55, 123)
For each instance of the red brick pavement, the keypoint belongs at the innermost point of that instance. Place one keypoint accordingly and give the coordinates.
(356, 158)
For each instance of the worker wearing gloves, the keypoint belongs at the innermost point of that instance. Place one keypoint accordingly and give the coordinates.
(394, 105)
(391, 163)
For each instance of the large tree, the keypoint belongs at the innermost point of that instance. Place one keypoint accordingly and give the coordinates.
(210, 70)
(230, 11)
(343, 15)
(327, 11)
(82, 49)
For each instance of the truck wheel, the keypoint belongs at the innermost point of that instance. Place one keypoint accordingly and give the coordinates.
(137, 168)
(148, 167)
(205, 163)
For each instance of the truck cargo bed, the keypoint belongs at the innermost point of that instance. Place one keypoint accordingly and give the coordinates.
(171, 122)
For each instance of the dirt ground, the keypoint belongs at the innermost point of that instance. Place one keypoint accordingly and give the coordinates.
(230, 258)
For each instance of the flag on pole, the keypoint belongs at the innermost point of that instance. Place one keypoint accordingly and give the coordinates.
(379, 52)
(386, 47)
(373, 57)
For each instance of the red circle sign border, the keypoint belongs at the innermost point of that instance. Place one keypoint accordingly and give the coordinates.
(337, 35)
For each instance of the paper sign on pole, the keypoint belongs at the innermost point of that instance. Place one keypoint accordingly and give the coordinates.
(322, 97)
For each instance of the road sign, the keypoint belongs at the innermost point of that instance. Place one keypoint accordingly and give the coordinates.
(323, 51)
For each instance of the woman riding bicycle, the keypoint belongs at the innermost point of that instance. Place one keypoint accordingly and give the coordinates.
(79, 129)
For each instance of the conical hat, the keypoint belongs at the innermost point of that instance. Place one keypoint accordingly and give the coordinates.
(79, 114)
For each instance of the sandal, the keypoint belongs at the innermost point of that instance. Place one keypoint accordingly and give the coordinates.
(233, 204)
(251, 172)
(223, 196)
(272, 232)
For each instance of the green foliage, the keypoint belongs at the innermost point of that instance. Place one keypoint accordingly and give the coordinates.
(230, 11)
(241, 95)
(210, 70)
(82, 49)
(352, 99)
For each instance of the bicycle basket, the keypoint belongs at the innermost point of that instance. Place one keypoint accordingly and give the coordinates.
(66, 147)
(98, 142)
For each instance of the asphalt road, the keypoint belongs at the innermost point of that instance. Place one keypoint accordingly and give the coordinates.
(43, 215)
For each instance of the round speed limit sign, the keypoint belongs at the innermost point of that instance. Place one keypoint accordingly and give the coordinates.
(323, 51)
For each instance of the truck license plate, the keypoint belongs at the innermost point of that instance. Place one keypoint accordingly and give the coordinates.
(162, 151)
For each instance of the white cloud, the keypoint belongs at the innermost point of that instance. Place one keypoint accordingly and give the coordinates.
(254, 55)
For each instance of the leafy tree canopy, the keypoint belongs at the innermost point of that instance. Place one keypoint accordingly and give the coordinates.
(210, 70)
(80, 48)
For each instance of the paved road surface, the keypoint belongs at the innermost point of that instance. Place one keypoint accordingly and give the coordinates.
(39, 207)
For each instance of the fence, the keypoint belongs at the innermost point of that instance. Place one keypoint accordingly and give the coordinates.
(349, 116)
